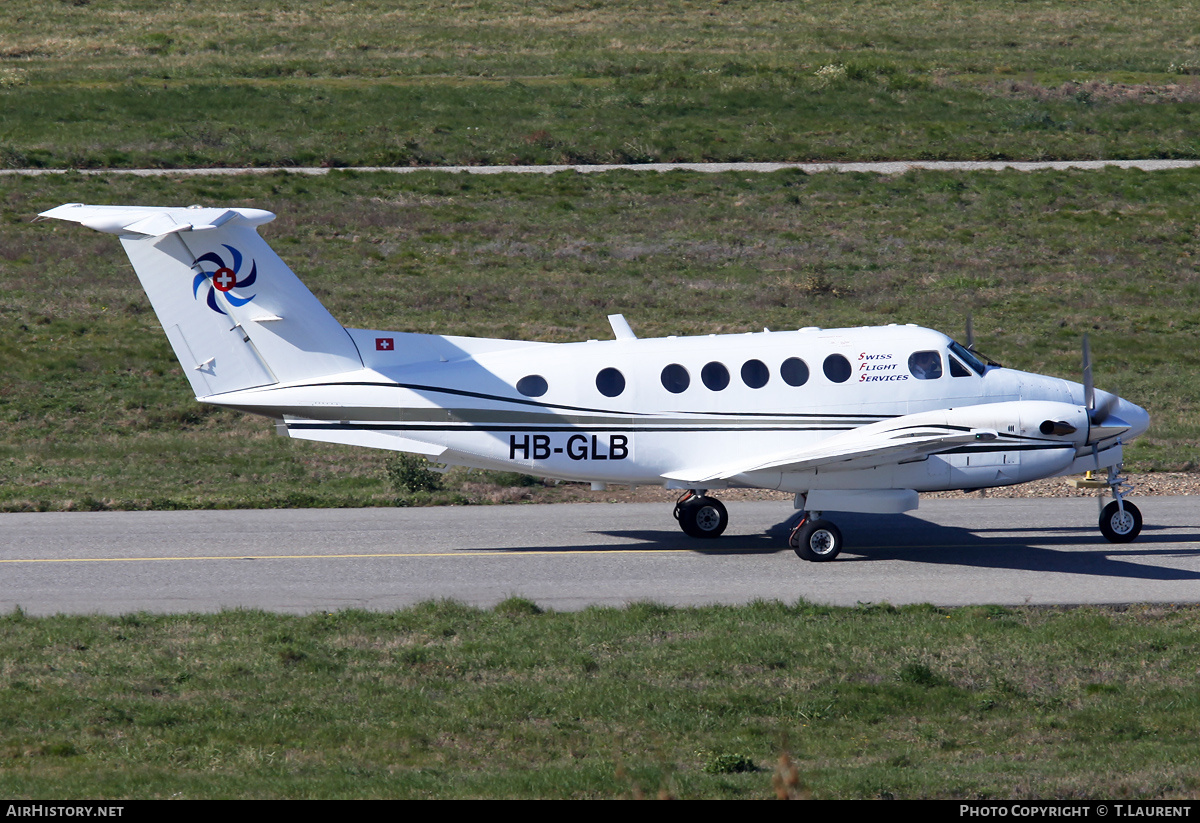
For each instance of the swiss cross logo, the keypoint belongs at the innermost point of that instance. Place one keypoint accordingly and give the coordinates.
(224, 279)
(384, 344)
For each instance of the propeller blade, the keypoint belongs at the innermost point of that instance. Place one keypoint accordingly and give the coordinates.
(970, 333)
(1089, 389)
(1103, 425)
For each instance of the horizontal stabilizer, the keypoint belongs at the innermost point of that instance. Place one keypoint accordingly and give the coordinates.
(154, 222)
(346, 436)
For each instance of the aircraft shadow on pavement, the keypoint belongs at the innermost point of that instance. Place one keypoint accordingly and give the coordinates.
(874, 537)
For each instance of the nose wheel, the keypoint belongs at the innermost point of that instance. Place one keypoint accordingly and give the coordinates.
(1120, 520)
(700, 515)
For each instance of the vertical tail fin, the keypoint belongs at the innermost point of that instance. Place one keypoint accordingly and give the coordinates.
(235, 314)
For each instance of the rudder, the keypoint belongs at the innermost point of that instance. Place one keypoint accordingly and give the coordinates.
(234, 313)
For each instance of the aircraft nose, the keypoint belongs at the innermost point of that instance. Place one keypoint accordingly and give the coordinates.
(1137, 417)
(1116, 417)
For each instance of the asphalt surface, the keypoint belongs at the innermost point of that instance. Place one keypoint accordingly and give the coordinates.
(566, 557)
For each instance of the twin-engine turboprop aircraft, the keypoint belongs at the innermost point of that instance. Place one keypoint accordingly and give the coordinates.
(849, 420)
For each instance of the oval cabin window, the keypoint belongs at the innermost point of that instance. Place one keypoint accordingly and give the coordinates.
(755, 374)
(715, 376)
(794, 371)
(675, 378)
(610, 382)
(533, 385)
(837, 368)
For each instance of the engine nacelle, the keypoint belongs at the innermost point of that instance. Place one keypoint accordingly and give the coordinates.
(1043, 421)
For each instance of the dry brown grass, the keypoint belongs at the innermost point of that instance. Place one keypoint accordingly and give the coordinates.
(1096, 91)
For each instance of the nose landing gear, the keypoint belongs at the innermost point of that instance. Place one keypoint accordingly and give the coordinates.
(1120, 521)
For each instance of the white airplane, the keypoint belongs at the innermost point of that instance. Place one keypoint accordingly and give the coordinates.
(849, 420)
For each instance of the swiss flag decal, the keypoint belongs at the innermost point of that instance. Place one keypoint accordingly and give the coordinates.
(384, 344)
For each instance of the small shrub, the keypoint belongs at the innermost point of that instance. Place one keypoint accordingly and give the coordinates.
(517, 606)
(918, 674)
(732, 763)
(410, 474)
(830, 73)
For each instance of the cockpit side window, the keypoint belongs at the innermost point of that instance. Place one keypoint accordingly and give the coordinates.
(958, 369)
(925, 365)
(964, 354)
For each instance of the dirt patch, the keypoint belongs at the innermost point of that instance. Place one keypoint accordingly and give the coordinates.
(1096, 91)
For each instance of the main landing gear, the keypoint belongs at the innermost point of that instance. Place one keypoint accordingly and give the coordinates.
(700, 515)
(815, 538)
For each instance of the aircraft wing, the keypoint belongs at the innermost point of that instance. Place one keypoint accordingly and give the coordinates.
(897, 440)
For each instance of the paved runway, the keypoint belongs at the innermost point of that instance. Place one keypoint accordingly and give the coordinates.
(950, 552)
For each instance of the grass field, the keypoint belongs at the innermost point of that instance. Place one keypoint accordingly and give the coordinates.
(94, 412)
(134, 83)
(445, 701)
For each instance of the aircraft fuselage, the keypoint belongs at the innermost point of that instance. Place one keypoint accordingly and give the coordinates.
(679, 402)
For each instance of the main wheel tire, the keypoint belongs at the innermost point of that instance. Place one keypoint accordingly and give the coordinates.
(703, 517)
(1118, 527)
(817, 540)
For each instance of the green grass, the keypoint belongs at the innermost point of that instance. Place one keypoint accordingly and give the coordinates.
(94, 411)
(443, 700)
(121, 84)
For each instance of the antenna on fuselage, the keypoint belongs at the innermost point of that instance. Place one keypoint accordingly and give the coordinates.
(620, 327)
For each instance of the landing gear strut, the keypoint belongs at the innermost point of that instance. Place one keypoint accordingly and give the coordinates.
(700, 515)
(1120, 521)
(815, 538)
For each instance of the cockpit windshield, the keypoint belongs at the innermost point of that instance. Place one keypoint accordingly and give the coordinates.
(967, 356)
